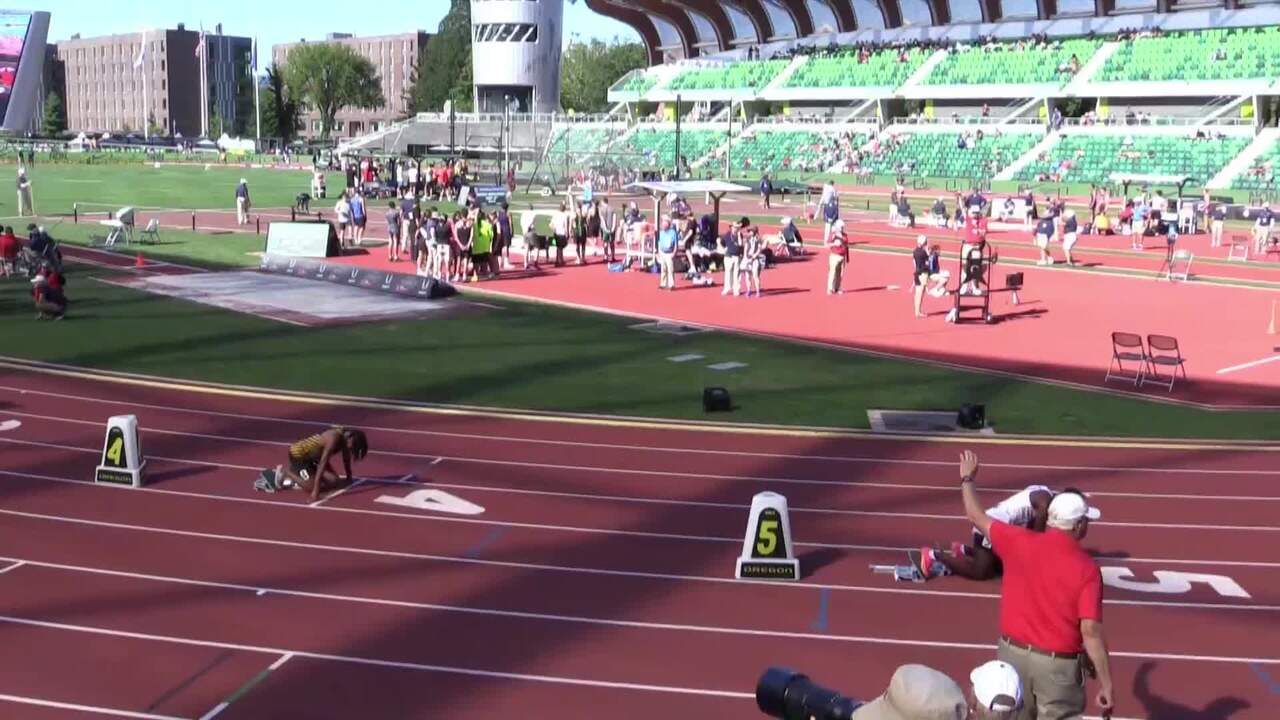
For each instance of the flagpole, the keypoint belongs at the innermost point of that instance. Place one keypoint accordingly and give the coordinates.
(257, 101)
(204, 87)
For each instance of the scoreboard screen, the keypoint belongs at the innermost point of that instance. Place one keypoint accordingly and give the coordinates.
(14, 26)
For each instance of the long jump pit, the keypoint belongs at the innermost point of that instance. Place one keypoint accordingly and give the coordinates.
(289, 299)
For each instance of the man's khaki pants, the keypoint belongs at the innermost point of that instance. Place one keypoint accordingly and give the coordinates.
(1052, 688)
(835, 272)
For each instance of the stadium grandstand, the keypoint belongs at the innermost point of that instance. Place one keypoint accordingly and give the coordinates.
(1047, 93)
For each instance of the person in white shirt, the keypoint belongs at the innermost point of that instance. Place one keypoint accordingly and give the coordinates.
(560, 231)
(1028, 509)
(342, 209)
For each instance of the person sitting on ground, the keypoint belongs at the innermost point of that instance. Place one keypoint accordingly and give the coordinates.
(50, 301)
(310, 457)
(789, 242)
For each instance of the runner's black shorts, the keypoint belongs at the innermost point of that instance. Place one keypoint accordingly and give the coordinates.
(305, 469)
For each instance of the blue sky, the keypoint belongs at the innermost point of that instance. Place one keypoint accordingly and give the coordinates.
(278, 22)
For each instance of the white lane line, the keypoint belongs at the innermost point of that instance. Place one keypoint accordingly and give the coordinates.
(644, 448)
(625, 471)
(560, 528)
(336, 493)
(463, 560)
(244, 689)
(94, 709)
(631, 624)
(1245, 366)
(14, 566)
(375, 662)
(681, 536)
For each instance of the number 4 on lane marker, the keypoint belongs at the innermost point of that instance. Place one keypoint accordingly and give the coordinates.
(8, 425)
(433, 501)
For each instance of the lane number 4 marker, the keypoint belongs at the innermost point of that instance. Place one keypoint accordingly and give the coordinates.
(1171, 582)
(432, 501)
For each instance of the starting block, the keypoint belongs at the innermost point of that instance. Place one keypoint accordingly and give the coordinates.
(900, 573)
(122, 461)
(766, 549)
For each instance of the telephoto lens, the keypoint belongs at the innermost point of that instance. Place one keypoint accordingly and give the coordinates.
(789, 695)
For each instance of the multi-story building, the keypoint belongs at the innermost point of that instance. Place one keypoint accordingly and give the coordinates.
(107, 90)
(393, 56)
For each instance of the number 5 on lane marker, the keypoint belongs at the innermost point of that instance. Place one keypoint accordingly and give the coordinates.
(433, 501)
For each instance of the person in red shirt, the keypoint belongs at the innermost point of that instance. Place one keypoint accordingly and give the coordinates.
(1050, 603)
(9, 247)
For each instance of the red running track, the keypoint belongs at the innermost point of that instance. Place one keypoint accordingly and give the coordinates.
(600, 571)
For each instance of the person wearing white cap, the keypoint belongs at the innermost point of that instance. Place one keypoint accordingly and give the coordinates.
(996, 691)
(1050, 603)
(917, 692)
(242, 202)
(838, 246)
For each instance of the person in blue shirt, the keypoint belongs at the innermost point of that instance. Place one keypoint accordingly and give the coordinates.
(668, 241)
(242, 202)
(1264, 219)
(358, 218)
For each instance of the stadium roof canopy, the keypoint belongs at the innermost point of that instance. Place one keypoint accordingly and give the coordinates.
(702, 27)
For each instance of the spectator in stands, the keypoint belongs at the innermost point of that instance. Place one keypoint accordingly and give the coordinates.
(668, 242)
(393, 231)
(1050, 603)
(608, 230)
(838, 257)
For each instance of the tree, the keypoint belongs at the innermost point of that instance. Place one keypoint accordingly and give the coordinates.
(54, 120)
(217, 126)
(443, 71)
(153, 127)
(328, 77)
(279, 111)
(588, 69)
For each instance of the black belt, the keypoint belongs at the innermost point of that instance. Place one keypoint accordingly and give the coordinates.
(1039, 651)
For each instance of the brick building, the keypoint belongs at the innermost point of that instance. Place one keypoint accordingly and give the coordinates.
(103, 92)
(393, 57)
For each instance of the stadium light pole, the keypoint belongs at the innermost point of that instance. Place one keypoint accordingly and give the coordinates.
(677, 173)
(728, 148)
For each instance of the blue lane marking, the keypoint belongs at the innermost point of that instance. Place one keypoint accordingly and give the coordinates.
(823, 604)
(1272, 685)
(484, 542)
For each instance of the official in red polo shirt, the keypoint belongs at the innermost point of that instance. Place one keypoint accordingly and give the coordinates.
(1050, 603)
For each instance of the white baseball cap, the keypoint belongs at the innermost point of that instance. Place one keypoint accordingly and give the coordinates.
(996, 686)
(922, 240)
(1068, 507)
(917, 692)
(243, 181)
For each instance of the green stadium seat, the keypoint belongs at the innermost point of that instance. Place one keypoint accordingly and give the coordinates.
(1217, 54)
(1093, 158)
(656, 147)
(775, 150)
(745, 75)
(882, 69)
(1257, 182)
(1005, 64)
(937, 154)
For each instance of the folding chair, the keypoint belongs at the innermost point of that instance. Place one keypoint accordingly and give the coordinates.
(1184, 257)
(121, 227)
(152, 231)
(1238, 248)
(1127, 347)
(1163, 351)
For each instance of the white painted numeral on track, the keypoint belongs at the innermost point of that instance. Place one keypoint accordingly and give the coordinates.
(1171, 582)
(8, 425)
(433, 501)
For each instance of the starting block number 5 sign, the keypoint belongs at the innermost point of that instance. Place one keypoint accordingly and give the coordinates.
(122, 460)
(766, 548)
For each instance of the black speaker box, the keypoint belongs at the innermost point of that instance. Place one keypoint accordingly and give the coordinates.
(972, 417)
(716, 399)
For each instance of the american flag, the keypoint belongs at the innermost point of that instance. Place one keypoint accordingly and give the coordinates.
(200, 45)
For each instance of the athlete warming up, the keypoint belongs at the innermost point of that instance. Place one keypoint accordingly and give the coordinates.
(309, 460)
(1028, 509)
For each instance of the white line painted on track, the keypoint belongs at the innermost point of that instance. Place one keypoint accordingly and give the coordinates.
(337, 493)
(351, 550)
(375, 662)
(677, 536)
(9, 425)
(626, 471)
(633, 624)
(249, 685)
(1245, 366)
(95, 709)
(13, 566)
(560, 528)
(278, 421)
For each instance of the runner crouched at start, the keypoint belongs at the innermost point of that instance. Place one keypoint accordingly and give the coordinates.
(309, 460)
